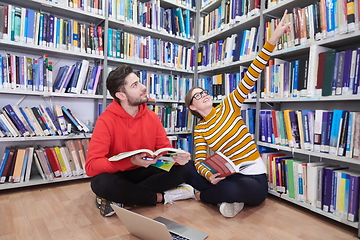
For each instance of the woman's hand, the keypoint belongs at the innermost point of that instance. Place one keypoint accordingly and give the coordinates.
(280, 30)
(215, 178)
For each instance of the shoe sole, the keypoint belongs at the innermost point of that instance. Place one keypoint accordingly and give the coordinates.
(105, 209)
(230, 209)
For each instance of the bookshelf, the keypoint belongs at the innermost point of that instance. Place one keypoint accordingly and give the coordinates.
(340, 42)
(88, 106)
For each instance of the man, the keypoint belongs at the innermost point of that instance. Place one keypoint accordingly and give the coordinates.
(126, 125)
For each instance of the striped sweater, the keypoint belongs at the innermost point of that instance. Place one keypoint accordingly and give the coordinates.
(224, 130)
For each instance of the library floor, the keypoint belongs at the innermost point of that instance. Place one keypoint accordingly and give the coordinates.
(67, 211)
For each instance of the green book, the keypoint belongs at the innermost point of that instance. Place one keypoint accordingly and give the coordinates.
(329, 73)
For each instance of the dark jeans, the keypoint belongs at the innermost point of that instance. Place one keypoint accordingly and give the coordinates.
(138, 186)
(249, 189)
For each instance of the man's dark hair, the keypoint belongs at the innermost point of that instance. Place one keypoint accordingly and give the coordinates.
(115, 81)
(188, 98)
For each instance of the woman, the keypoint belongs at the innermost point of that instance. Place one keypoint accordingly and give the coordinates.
(223, 130)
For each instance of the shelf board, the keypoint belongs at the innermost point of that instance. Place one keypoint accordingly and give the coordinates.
(278, 9)
(211, 6)
(313, 99)
(46, 138)
(227, 30)
(148, 65)
(170, 3)
(32, 48)
(344, 40)
(143, 31)
(314, 209)
(36, 180)
(231, 66)
(315, 154)
(48, 94)
(178, 133)
(59, 10)
(293, 52)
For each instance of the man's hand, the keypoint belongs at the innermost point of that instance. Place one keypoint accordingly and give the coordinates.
(182, 158)
(280, 30)
(139, 160)
(215, 178)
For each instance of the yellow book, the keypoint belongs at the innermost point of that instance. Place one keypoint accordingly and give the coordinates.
(288, 127)
(178, 66)
(76, 35)
(61, 38)
(19, 161)
(64, 170)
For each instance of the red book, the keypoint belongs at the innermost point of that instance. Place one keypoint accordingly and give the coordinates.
(320, 72)
(219, 163)
(274, 127)
(54, 162)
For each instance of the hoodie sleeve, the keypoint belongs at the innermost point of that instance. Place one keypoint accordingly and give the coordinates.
(100, 150)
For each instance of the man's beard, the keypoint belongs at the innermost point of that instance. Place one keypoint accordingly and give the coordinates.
(136, 101)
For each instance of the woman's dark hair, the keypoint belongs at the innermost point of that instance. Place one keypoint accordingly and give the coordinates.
(188, 98)
(116, 79)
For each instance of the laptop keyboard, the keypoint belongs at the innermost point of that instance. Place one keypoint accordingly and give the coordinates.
(177, 237)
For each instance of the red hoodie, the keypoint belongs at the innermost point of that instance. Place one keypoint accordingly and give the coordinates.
(116, 131)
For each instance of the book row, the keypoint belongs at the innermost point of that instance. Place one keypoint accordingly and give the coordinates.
(78, 78)
(124, 45)
(174, 21)
(333, 189)
(317, 21)
(335, 132)
(174, 118)
(241, 46)
(36, 74)
(336, 73)
(181, 141)
(91, 6)
(50, 162)
(16, 121)
(221, 85)
(165, 86)
(229, 12)
(28, 26)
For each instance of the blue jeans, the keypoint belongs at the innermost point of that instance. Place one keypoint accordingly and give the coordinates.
(249, 189)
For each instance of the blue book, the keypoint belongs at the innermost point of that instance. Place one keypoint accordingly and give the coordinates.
(23, 170)
(110, 43)
(178, 13)
(327, 181)
(187, 23)
(343, 131)
(346, 72)
(53, 119)
(295, 78)
(16, 120)
(118, 44)
(330, 15)
(66, 79)
(91, 82)
(57, 45)
(1, 72)
(335, 131)
(41, 28)
(4, 128)
(263, 124)
(350, 135)
(26, 118)
(71, 86)
(243, 42)
(71, 119)
(357, 72)
(40, 86)
(51, 33)
(336, 65)
(30, 26)
(4, 160)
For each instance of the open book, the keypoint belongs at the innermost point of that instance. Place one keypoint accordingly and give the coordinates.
(219, 163)
(151, 154)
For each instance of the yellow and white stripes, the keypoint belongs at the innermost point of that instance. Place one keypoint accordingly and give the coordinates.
(224, 130)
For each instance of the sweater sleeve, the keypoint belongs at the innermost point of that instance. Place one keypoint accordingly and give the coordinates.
(97, 159)
(238, 96)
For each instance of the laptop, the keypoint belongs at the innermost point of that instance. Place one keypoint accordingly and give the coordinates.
(155, 229)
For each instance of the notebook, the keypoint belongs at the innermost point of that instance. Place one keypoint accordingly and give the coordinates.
(155, 229)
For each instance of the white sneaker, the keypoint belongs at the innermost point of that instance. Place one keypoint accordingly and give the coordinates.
(183, 191)
(230, 209)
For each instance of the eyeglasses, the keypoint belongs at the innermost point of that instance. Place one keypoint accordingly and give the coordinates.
(199, 95)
